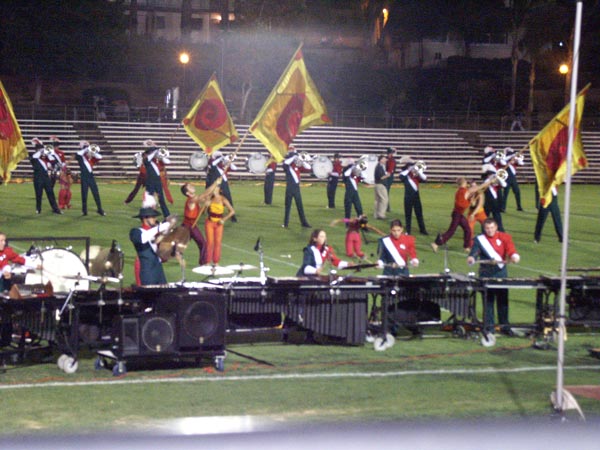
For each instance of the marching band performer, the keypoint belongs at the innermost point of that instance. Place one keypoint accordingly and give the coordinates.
(87, 157)
(353, 229)
(476, 212)
(293, 165)
(153, 183)
(352, 177)
(219, 166)
(59, 162)
(317, 253)
(194, 206)
(412, 175)
(65, 180)
(396, 251)
(333, 179)
(148, 268)
(461, 204)
(381, 189)
(214, 223)
(269, 180)
(141, 177)
(41, 161)
(494, 249)
(542, 215)
(493, 193)
(8, 257)
(513, 159)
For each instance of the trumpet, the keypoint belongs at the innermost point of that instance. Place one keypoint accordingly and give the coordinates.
(138, 159)
(94, 149)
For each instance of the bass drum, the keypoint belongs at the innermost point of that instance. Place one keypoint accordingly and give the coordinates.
(368, 175)
(198, 161)
(257, 163)
(62, 268)
(322, 167)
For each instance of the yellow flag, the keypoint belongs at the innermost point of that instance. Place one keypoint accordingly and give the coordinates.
(293, 105)
(549, 150)
(12, 145)
(208, 122)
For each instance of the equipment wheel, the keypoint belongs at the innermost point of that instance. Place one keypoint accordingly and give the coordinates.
(119, 369)
(220, 363)
(70, 365)
(99, 363)
(488, 339)
(60, 362)
(460, 331)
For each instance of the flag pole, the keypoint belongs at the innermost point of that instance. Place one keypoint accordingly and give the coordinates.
(559, 396)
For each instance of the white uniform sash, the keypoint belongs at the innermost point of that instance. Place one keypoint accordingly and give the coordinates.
(490, 250)
(393, 251)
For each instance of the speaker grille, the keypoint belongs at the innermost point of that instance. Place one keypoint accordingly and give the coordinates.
(158, 334)
(200, 320)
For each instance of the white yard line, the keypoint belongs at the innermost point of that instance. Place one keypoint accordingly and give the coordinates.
(296, 376)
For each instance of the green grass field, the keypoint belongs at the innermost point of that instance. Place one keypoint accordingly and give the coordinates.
(437, 377)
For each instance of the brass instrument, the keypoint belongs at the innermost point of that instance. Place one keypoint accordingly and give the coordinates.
(500, 155)
(420, 166)
(230, 157)
(162, 154)
(305, 157)
(361, 164)
(48, 150)
(94, 149)
(138, 159)
(501, 175)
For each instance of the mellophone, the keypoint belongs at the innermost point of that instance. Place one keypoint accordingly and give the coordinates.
(340, 308)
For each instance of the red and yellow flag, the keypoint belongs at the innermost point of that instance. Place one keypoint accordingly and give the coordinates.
(12, 145)
(549, 150)
(293, 105)
(208, 122)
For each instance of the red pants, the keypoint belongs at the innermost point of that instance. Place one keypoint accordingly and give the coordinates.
(64, 198)
(353, 244)
(214, 236)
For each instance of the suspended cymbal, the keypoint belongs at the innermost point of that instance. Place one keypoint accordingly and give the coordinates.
(212, 270)
(241, 266)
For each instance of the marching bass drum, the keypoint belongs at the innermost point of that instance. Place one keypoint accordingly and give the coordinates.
(198, 161)
(368, 174)
(257, 163)
(62, 268)
(322, 167)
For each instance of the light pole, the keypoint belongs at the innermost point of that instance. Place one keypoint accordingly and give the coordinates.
(184, 59)
(564, 70)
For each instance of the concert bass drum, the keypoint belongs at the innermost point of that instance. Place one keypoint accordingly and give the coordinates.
(322, 167)
(63, 268)
(198, 161)
(257, 163)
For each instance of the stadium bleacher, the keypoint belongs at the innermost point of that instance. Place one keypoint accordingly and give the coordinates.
(447, 153)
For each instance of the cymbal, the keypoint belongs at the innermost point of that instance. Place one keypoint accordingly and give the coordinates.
(212, 270)
(359, 267)
(241, 266)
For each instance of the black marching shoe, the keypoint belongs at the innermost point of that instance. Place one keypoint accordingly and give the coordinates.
(101, 212)
(306, 225)
(57, 211)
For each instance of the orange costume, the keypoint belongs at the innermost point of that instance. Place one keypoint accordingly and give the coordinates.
(213, 229)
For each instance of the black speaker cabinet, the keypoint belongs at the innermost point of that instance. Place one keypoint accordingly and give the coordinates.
(201, 318)
(145, 335)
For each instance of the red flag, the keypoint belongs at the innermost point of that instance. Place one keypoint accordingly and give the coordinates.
(293, 105)
(208, 122)
(12, 145)
(549, 150)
